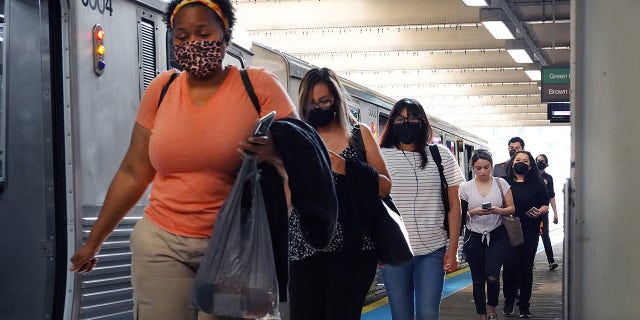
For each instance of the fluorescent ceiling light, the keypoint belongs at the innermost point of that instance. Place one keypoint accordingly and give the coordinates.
(534, 75)
(497, 23)
(498, 29)
(518, 51)
(520, 55)
(475, 3)
(533, 71)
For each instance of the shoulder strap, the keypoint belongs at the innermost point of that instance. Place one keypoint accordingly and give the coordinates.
(249, 87)
(501, 191)
(358, 144)
(435, 154)
(166, 87)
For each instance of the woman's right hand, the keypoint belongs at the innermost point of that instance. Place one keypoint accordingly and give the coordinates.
(84, 260)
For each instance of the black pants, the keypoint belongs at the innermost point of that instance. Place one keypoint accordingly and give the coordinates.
(330, 286)
(485, 261)
(548, 249)
(517, 273)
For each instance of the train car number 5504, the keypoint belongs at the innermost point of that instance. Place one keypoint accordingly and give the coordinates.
(100, 5)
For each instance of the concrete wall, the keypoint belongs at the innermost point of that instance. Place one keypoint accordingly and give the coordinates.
(605, 81)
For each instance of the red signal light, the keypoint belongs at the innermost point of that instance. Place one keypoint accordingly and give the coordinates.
(100, 34)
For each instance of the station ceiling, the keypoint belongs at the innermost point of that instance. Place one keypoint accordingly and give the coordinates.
(437, 51)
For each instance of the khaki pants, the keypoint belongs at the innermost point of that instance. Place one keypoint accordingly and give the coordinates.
(163, 267)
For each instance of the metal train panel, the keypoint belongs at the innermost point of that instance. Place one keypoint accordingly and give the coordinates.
(103, 109)
(27, 195)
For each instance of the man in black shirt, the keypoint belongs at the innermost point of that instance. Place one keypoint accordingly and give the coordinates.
(515, 144)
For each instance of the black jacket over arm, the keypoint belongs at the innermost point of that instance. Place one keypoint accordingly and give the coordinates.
(313, 193)
(359, 202)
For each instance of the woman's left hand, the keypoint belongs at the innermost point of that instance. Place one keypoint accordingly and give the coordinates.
(450, 262)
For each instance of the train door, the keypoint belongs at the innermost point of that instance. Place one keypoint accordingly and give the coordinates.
(31, 170)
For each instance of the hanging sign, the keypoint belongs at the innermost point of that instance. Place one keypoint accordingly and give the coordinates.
(555, 84)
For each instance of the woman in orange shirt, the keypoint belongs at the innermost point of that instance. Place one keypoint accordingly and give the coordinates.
(188, 147)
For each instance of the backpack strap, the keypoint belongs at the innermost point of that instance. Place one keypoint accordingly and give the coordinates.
(444, 192)
(249, 87)
(245, 80)
(358, 144)
(166, 87)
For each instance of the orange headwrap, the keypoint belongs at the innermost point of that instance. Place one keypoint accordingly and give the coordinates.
(211, 4)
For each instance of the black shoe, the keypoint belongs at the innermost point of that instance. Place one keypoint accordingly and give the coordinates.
(553, 266)
(508, 308)
(524, 313)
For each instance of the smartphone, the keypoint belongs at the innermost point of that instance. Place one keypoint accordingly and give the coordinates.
(486, 205)
(532, 212)
(263, 124)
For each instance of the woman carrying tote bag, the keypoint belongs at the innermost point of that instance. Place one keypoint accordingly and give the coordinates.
(485, 200)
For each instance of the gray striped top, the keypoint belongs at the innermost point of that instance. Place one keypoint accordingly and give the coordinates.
(416, 193)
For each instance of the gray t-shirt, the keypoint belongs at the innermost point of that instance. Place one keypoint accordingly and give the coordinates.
(500, 169)
(469, 192)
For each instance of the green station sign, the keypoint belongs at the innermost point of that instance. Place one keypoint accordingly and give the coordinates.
(555, 75)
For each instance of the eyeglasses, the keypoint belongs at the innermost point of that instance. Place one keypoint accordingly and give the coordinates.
(410, 119)
(323, 104)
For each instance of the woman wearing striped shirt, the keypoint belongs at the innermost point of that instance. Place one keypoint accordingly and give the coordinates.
(417, 194)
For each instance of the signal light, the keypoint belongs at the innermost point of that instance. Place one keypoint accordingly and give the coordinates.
(100, 34)
(99, 62)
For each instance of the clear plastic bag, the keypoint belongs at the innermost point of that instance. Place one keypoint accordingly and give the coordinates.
(237, 276)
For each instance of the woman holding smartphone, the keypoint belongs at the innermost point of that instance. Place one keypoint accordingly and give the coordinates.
(484, 199)
(531, 200)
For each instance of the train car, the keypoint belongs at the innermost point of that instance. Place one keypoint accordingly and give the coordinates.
(71, 77)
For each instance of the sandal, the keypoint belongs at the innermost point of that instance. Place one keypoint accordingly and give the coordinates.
(493, 316)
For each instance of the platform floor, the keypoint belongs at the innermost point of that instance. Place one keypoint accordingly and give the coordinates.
(457, 303)
(546, 298)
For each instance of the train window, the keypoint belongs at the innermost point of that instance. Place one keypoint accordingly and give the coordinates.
(3, 113)
(382, 120)
(451, 146)
(468, 152)
(355, 112)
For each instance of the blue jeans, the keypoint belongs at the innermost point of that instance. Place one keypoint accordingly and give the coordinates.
(421, 278)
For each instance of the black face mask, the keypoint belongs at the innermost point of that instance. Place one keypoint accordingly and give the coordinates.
(520, 168)
(320, 118)
(541, 165)
(512, 152)
(407, 133)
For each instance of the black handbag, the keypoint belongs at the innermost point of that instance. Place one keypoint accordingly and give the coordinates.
(387, 228)
(390, 234)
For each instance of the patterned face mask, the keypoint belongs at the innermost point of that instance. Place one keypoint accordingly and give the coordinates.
(199, 58)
